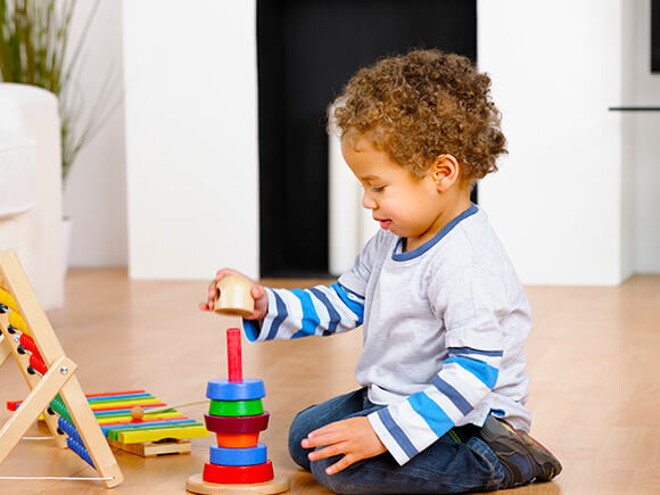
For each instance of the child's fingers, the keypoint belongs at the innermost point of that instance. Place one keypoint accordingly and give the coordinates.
(329, 451)
(321, 438)
(211, 295)
(332, 451)
(225, 272)
(341, 464)
(325, 433)
(257, 291)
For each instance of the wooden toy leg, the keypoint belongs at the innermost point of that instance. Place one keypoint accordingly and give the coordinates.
(196, 484)
(5, 349)
(36, 401)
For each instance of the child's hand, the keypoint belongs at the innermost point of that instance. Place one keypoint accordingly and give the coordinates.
(353, 437)
(256, 291)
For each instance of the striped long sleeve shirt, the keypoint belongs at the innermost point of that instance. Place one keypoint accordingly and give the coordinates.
(444, 327)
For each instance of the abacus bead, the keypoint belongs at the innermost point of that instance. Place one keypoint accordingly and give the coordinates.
(246, 389)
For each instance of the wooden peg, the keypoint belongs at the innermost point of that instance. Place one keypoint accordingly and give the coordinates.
(235, 297)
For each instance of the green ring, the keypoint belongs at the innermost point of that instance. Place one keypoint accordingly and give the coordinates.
(236, 407)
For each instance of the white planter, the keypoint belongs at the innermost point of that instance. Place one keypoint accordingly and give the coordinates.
(32, 112)
(18, 174)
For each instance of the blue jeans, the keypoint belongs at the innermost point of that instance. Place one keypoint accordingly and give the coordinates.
(449, 465)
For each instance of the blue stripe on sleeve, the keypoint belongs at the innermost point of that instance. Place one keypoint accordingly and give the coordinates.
(397, 433)
(335, 318)
(282, 313)
(431, 412)
(483, 371)
(350, 292)
(310, 318)
(251, 329)
(454, 351)
(453, 395)
(355, 307)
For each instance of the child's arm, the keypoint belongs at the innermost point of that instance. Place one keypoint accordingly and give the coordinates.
(284, 313)
(473, 304)
(406, 428)
(295, 313)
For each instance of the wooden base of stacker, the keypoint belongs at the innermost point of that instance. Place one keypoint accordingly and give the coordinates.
(196, 484)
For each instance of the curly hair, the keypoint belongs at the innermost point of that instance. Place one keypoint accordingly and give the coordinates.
(418, 106)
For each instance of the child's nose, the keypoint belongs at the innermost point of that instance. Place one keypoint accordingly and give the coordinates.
(367, 201)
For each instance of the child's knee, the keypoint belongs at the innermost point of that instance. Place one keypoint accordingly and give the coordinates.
(298, 454)
(341, 483)
(297, 432)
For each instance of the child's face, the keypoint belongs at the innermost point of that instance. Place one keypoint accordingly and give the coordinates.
(402, 203)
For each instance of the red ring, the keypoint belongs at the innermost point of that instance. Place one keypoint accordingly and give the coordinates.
(257, 473)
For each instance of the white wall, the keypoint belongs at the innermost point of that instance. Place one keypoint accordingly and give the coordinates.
(629, 146)
(557, 67)
(95, 191)
(557, 201)
(350, 225)
(191, 137)
(647, 150)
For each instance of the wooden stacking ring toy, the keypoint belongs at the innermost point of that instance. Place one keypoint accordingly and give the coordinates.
(239, 456)
(236, 408)
(255, 473)
(247, 389)
(239, 463)
(237, 440)
(244, 424)
(235, 297)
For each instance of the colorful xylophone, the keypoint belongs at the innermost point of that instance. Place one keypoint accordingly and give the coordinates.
(166, 432)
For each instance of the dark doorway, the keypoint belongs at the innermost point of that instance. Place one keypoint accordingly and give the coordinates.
(307, 50)
(655, 36)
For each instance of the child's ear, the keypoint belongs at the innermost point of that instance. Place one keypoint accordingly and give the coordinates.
(445, 171)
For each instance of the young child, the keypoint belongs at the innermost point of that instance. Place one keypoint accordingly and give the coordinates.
(445, 318)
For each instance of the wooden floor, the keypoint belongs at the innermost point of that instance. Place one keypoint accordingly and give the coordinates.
(594, 362)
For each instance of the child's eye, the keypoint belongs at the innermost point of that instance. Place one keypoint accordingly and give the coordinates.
(377, 189)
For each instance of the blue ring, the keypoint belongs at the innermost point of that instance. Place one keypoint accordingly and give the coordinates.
(247, 389)
(239, 457)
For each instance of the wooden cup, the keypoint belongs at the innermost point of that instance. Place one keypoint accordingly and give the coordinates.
(234, 298)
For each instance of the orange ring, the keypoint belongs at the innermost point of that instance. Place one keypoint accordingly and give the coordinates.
(237, 440)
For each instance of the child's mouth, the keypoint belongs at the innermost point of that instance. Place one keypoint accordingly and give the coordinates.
(384, 224)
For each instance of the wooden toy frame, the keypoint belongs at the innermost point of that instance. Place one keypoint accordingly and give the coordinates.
(59, 379)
